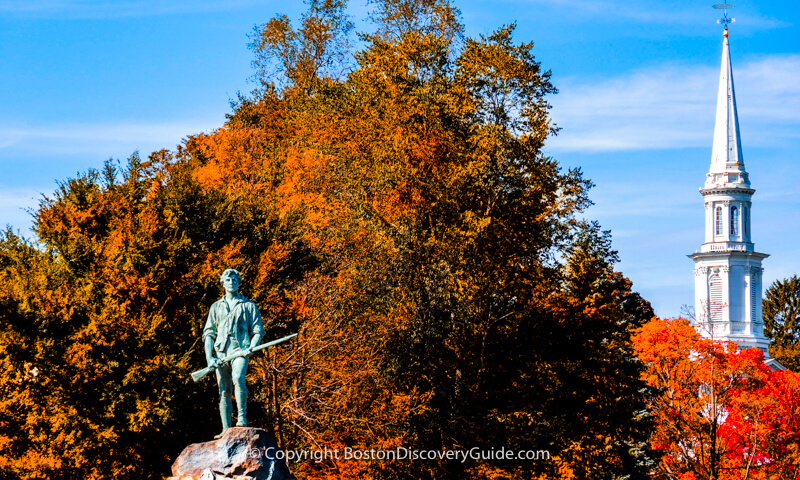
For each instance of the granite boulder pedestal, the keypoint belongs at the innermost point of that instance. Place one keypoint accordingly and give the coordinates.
(241, 454)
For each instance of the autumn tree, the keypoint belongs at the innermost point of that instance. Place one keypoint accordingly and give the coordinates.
(300, 57)
(719, 412)
(764, 426)
(781, 307)
(443, 228)
(393, 204)
(101, 317)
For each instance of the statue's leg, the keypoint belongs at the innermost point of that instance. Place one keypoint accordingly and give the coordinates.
(239, 371)
(225, 391)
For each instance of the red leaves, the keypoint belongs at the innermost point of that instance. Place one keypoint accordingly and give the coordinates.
(764, 424)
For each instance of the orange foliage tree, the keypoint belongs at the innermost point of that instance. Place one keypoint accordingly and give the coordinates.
(101, 317)
(764, 426)
(395, 206)
(455, 279)
(719, 412)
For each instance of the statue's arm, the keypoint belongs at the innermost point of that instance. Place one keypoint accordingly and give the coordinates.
(256, 327)
(210, 336)
(209, 347)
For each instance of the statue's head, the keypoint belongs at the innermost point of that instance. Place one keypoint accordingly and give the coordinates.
(230, 279)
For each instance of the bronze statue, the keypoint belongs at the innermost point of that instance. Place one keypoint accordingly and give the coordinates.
(234, 327)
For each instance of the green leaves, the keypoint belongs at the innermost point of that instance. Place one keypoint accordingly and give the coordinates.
(781, 310)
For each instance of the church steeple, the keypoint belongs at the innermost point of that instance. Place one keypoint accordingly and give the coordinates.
(727, 162)
(728, 273)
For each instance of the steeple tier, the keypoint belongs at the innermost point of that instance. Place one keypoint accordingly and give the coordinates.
(727, 163)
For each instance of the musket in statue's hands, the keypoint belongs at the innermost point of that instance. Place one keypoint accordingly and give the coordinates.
(215, 362)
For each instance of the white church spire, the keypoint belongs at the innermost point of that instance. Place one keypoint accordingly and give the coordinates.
(727, 162)
(727, 141)
(728, 272)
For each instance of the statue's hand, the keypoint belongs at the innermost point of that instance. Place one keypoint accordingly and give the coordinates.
(213, 361)
(248, 351)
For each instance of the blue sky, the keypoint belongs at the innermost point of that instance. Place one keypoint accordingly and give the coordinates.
(82, 81)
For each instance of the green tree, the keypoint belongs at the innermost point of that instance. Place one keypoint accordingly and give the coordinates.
(781, 309)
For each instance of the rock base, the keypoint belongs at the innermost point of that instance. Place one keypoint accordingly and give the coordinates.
(241, 454)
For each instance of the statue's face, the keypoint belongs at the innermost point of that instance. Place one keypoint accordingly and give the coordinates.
(231, 284)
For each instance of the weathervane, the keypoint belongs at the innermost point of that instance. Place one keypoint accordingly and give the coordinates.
(724, 20)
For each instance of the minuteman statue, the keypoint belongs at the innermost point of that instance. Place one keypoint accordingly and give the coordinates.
(234, 324)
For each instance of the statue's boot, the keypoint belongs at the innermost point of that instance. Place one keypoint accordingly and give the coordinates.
(241, 406)
(225, 411)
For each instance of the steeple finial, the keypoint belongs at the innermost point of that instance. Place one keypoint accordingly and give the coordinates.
(724, 20)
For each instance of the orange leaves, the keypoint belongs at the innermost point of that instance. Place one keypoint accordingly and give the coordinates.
(674, 350)
(308, 185)
(228, 255)
(268, 264)
(403, 218)
(233, 160)
(665, 341)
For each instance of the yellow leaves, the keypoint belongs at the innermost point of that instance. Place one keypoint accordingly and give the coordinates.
(276, 33)
(429, 19)
(144, 417)
(298, 59)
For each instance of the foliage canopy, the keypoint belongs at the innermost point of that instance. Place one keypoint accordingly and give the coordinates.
(398, 211)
